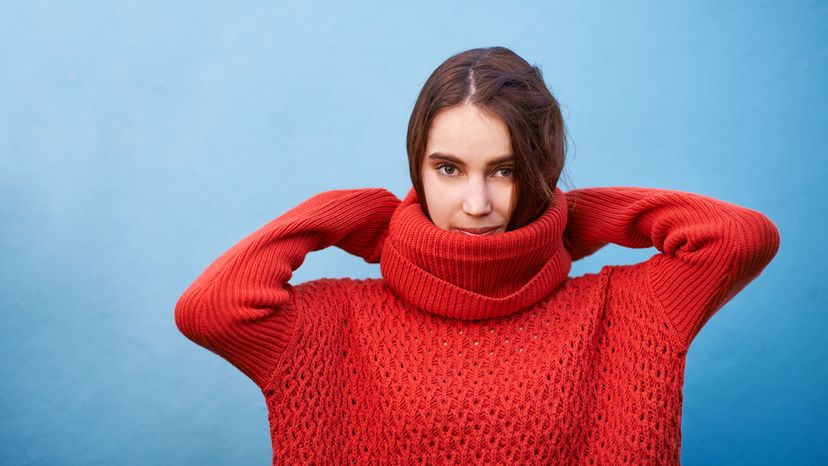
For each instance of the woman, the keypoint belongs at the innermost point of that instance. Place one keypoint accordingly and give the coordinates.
(476, 346)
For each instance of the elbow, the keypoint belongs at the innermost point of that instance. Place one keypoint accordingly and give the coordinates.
(766, 238)
(758, 242)
(185, 315)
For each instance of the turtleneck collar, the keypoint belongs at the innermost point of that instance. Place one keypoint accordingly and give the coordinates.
(474, 277)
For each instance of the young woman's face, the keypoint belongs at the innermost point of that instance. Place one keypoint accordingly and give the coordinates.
(468, 171)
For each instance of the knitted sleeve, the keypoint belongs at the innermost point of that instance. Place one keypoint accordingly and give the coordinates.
(242, 308)
(709, 250)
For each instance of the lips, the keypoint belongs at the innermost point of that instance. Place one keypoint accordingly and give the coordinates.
(476, 231)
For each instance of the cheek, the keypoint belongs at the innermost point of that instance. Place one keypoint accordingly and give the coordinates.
(438, 200)
(503, 199)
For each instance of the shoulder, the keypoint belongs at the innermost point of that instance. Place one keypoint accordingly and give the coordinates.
(325, 284)
(626, 299)
(323, 288)
(327, 301)
(338, 288)
(590, 283)
(342, 283)
(630, 296)
(586, 292)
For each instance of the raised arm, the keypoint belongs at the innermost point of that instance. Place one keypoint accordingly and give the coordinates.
(709, 249)
(241, 307)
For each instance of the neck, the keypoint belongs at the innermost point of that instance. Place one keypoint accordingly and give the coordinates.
(474, 277)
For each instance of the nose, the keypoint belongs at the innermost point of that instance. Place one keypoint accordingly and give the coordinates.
(477, 202)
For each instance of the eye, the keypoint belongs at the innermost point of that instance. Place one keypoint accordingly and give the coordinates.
(450, 169)
(510, 171)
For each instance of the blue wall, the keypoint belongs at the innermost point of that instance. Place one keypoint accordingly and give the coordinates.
(139, 140)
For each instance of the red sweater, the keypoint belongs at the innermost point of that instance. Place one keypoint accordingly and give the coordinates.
(477, 350)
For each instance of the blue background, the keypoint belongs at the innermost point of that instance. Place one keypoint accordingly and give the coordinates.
(140, 140)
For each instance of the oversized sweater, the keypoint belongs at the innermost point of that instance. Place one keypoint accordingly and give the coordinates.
(477, 349)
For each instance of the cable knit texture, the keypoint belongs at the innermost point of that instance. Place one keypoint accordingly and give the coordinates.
(477, 350)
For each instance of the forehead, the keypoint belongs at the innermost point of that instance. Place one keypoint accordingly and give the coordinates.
(468, 133)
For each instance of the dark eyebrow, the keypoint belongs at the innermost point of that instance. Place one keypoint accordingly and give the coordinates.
(453, 159)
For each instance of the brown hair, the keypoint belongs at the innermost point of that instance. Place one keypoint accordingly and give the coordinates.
(503, 85)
